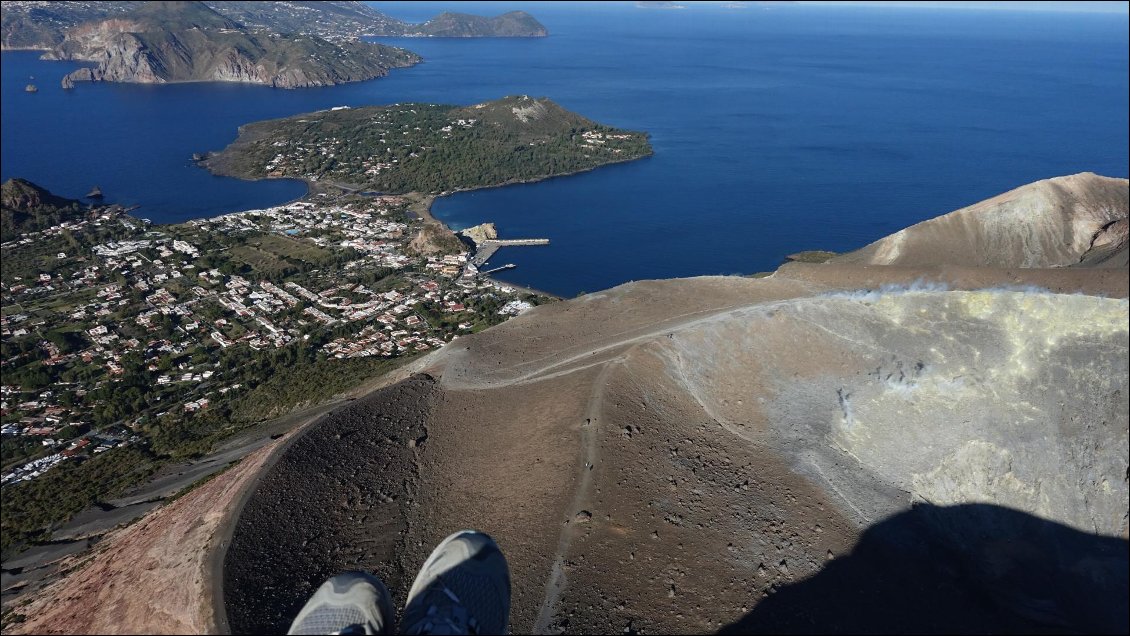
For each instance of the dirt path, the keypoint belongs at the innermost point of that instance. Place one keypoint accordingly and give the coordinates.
(578, 512)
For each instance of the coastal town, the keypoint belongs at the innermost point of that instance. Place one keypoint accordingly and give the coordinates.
(153, 345)
(112, 325)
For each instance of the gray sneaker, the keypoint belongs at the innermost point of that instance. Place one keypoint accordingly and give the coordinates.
(463, 588)
(350, 603)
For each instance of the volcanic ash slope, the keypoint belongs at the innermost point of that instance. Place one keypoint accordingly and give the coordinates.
(1078, 220)
(782, 454)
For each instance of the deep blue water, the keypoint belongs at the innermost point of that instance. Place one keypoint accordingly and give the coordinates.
(774, 130)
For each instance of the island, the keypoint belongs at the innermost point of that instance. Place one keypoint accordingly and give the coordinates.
(161, 42)
(31, 25)
(514, 24)
(428, 148)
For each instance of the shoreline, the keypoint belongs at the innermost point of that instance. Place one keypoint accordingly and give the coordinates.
(420, 203)
(514, 182)
(425, 202)
(523, 289)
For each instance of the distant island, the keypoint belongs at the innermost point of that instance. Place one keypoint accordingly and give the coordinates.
(43, 25)
(514, 24)
(428, 148)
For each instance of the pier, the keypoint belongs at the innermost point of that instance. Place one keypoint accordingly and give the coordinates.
(486, 249)
(498, 269)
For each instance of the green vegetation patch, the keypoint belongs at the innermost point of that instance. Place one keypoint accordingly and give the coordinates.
(309, 382)
(275, 256)
(25, 207)
(811, 256)
(32, 509)
(429, 148)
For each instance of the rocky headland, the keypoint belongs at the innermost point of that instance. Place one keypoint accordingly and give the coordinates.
(187, 41)
(26, 207)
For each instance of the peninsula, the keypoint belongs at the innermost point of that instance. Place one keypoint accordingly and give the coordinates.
(428, 148)
(162, 42)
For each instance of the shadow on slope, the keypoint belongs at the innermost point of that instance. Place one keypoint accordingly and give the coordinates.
(973, 568)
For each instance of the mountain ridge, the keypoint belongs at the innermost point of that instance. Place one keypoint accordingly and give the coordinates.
(28, 25)
(1071, 221)
(188, 41)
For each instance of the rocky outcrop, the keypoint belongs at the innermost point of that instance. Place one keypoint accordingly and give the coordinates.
(193, 43)
(1074, 221)
(434, 238)
(26, 207)
(20, 194)
(481, 232)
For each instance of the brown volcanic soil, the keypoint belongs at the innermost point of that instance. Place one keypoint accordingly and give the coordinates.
(928, 435)
(703, 454)
(340, 496)
(801, 453)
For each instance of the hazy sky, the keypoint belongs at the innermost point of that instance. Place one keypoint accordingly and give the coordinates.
(496, 6)
(1022, 5)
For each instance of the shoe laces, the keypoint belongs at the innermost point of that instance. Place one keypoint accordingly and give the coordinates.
(446, 614)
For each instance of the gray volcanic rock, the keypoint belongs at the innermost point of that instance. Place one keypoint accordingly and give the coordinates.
(1079, 220)
(175, 42)
(41, 25)
(724, 444)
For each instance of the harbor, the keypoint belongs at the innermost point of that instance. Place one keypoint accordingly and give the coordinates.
(486, 248)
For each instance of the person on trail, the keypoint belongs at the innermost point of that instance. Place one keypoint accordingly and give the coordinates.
(462, 588)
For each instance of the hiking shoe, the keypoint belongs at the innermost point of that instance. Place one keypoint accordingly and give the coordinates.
(463, 588)
(350, 603)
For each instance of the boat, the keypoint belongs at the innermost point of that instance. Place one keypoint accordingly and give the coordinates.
(95, 193)
(31, 88)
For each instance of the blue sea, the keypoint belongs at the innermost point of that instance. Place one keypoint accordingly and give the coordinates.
(775, 129)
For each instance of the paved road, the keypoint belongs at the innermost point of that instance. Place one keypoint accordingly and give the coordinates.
(35, 567)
